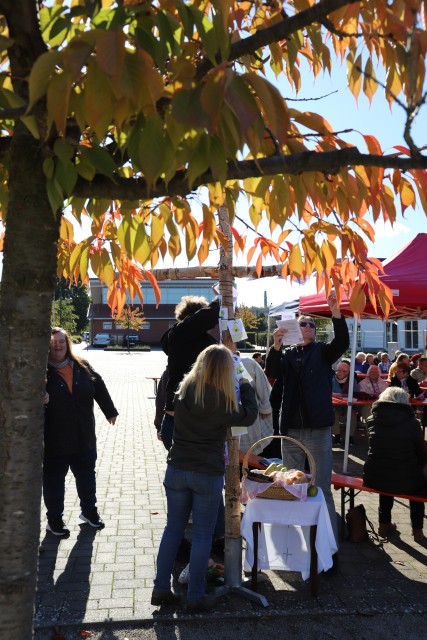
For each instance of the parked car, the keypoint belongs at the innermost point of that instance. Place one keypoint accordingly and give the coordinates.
(130, 341)
(101, 340)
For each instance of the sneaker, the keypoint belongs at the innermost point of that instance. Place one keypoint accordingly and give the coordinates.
(57, 527)
(337, 439)
(92, 518)
(351, 442)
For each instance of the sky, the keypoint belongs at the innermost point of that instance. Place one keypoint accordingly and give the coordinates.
(341, 110)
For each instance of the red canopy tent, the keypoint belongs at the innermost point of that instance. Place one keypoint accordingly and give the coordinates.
(405, 274)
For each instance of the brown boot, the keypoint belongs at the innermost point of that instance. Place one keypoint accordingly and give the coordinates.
(386, 529)
(418, 535)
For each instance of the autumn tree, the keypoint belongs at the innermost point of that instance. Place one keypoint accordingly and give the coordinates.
(63, 315)
(78, 293)
(248, 317)
(129, 319)
(119, 112)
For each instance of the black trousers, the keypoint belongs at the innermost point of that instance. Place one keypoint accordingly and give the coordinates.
(416, 510)
(55, 469)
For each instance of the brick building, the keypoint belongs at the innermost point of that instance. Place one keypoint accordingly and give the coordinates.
(157, 320)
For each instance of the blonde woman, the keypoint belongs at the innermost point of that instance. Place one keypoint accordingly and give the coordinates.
(205, 405)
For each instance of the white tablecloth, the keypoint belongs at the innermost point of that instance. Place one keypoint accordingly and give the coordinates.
(284, 539)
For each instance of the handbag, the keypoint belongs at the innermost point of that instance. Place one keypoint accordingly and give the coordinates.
(356, 524)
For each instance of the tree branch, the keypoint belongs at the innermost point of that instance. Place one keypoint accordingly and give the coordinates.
(213, 272)
(328, 162)
(277, 32)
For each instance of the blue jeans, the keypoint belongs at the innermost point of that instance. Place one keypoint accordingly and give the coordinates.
(319, 443)
(55, 470)
(186, 492)
(166, 431)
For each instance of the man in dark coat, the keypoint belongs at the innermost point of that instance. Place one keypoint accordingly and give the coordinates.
(307, 413)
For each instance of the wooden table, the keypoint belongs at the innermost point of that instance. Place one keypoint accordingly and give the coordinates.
(155, 380)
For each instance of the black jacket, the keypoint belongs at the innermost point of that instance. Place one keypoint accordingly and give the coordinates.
(69, 417)
(413, 386)
(396, 454)
(200, 432)
(306, 372)
(183, 342)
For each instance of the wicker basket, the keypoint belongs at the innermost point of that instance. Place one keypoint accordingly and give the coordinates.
(275, 492)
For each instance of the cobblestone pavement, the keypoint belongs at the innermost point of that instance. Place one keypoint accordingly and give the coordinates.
(94, 577)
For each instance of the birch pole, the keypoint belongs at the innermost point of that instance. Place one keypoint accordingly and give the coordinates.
(232, 476)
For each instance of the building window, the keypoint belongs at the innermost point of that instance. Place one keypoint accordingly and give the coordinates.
(411, 334)
(145, 326)
(391, 332)
(107, 325)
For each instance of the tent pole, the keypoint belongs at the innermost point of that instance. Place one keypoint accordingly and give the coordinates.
(267, 346)
(350, 391)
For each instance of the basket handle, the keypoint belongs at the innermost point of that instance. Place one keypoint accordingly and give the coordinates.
(311, 462)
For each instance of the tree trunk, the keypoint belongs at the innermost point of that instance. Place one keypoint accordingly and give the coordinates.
(232, 474)
(29, 268)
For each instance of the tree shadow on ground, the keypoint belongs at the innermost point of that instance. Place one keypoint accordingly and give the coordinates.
(67, 597)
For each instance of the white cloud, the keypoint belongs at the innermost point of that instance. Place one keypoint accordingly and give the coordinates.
(385, 230)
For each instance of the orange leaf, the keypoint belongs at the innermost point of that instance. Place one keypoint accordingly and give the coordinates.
(357, 299)
(154, 284)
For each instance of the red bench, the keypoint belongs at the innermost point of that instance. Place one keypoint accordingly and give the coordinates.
(351, 486)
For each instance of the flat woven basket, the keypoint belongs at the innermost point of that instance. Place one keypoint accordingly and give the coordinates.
(275, 492)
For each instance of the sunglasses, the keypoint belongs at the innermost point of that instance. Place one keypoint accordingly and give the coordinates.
(307, 324)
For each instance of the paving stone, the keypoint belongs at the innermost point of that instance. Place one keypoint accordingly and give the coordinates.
(108, 575)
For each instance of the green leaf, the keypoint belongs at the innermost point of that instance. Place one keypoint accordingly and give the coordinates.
(32, 125)
(48, 167)
(101, 160)
(66, 175)
(151, 149)
(199, 162)
(58, 31)
(98, 100)
(54, 194)
(10, 99)
(187, 108)
(218, 160)
(40, 75)
(86, 170)
(63, 149)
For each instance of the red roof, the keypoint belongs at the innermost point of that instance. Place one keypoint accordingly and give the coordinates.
(405, 274)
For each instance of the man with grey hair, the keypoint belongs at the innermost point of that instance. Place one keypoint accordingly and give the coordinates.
(307, 413)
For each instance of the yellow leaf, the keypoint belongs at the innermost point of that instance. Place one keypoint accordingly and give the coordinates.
(157, 230)
(141, 247)
(312, 121)
(295, 261)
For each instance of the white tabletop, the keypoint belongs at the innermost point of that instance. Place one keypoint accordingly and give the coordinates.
(284, 539)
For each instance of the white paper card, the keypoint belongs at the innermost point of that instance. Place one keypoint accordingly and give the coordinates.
(223, 325)
(293, 333)
(223, 313)
(237, 330)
